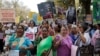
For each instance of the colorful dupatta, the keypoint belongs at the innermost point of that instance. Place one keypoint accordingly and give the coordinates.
(44, 45)
(19, 42)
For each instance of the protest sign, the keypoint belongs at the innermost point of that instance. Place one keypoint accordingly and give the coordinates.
(30, 36)
(7, 15)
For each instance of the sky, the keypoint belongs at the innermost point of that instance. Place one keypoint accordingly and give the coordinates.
(32, 4)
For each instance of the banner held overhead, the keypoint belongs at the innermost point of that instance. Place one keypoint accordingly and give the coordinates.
(7, 15)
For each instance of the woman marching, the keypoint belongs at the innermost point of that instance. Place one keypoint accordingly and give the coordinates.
(44, 43)
(19, 42)
(32, 30)
(63, 42)
(83, 39)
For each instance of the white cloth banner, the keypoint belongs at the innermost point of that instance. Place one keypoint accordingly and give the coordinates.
(13, 53)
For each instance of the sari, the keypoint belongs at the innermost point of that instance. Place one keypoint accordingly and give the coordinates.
(19, 42)
(64, 49)
(44, 45)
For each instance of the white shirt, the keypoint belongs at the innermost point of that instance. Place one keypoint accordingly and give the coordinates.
(7, 31)
(64, 22)
(12, 30)
(88, 40)
(32, 31)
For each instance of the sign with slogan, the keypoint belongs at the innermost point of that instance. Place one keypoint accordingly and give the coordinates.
(29, 35)
(46, 7)
(7, 15)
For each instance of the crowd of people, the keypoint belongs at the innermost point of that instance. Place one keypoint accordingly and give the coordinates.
(41, 40)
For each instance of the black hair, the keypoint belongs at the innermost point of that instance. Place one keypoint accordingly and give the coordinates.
(0, 23)
(65, 26)
(33, 22)
(1, 27)
(11, 27)
(51, 25)
(21, 26)
(22, 51)
(57, 28)
(56, 22)
(45, 28)
(84, 26)
(98, 25)
(45, 22)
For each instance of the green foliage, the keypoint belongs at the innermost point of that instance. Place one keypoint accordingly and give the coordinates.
(86, 5)
(65, 3)
(18, 6)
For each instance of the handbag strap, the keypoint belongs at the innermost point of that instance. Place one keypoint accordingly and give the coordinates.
(78, 41)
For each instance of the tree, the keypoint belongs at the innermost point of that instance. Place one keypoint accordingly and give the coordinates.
(65, 3)
(18, 7)
(86, 5)
(0, 3)
(7, 4)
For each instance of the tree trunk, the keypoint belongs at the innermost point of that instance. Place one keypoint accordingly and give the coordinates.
(86, 5)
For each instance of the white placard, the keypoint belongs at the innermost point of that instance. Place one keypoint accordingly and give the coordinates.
(13, 53)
